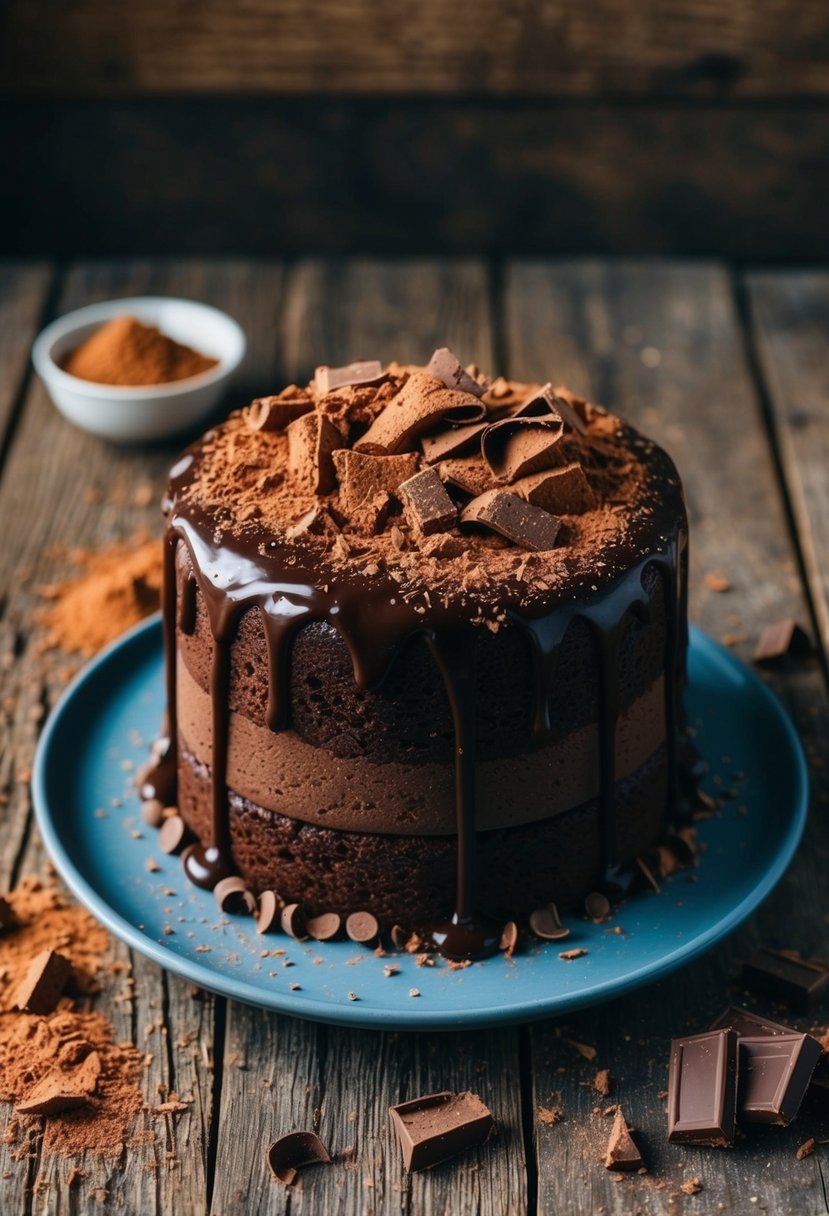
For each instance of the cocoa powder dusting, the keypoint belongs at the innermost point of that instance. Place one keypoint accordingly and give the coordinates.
(116, 588)
(125, 352)
(63, 1044)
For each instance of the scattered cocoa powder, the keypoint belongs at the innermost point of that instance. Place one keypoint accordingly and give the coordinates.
(125, 352)
(66, 1042)
(117, 586)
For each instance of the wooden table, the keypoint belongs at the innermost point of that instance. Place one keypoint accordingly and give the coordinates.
(731, 373)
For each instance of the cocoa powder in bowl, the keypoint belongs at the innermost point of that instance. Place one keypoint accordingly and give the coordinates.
(127, 353)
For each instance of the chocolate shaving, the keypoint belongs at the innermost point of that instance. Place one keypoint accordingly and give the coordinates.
(275, 413)
(427, 505)
(516, 447)
(324, 928)
(42, 986)
(421, 403)
(311, 440)
(362, 927)
(518, 521)
(435, 1127)
(621, 1152)
(546, 924)
(327, 379)
(564, 490)
(290, 1153)
(456, 441)
(447, 367)
(233, 897)
(509, 938)
(270, 909)
(362, 476)
(292, 920)
(174, 835)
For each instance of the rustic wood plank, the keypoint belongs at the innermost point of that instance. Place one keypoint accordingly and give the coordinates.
(689, 47)
(43, 503)
(662, 344)
(342, 1082)
(421, 176)
(790, 314)
(24, 289)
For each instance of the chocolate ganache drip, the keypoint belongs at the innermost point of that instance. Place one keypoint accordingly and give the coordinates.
(235, 571)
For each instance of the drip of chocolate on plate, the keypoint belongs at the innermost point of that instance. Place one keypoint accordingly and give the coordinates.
(256, 570)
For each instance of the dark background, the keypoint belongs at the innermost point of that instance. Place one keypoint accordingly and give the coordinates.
(281, 127)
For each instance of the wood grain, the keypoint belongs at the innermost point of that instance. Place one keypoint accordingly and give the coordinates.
(414, 177)
(23, 293)
(790, 314)
(687, 47)
(341, 1083)
(62, 487)
(663, 345)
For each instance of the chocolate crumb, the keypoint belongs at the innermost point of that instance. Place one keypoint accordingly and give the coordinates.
(569, 955)
(806, 1149)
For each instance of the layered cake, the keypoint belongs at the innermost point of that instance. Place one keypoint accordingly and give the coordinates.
(425, 645)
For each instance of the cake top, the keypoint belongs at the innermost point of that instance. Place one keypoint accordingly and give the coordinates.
(442, 482)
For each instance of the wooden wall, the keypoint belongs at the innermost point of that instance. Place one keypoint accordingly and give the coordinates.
(289, 126)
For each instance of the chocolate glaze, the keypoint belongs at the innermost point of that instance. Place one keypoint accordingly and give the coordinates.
(292, 585)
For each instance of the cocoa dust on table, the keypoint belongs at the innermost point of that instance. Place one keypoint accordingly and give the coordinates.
(33, 1046)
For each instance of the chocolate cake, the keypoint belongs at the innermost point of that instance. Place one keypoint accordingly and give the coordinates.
(425, 642)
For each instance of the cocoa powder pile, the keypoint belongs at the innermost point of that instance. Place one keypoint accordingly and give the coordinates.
(125, 352)
(67, 1049)
(117, 587)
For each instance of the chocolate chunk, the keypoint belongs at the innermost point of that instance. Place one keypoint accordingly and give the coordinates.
(427, 505)
(467, 473)
(597, 905)
(438, 1126)
(516, 447)
(324, 928)
(564, 490)
(781, 640)
(328, 379)
(702, 1089)
(275, 413)
(446, 367)
(748, 1024)
(292, 920)
(311, 440)
(528, 526)
(775, 1071)
(270, 909)
(362, 477)
(152, 812)
(621, 1152)
(546, 924)
(290, 1153)
(421, 403)
(453, 441)
(791, 981)
(52, 1095)
(233, 897)
(443, 546)
(174, 835)
(362, 927)
(545, 400)
(7, 916)
(42, 986)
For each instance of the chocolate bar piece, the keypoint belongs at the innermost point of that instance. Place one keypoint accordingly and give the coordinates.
(447, 367)
(775, 1071)
(702, 1089)
(435, 1127)
(454, 441)
(327, 379)
(748, 1024)
(428, 507)
(563, 491)
(795, 982)
(275, 413)
(507, 514)
(516, 447)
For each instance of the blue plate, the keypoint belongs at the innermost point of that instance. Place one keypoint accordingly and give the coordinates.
(89, 816)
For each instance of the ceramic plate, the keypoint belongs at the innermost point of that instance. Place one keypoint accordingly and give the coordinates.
(89, 816)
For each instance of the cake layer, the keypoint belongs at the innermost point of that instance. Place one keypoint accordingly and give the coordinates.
(281, 772)
(410, 879)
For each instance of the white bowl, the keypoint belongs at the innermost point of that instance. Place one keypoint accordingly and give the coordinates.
(145, 412)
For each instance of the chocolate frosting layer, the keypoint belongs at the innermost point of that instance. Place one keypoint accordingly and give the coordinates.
(244, 558)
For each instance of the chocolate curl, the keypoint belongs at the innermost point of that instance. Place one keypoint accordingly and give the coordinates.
(311, 440)
(518, 521)
(287, 1155)
(516, 447)
(275, 413)
(421, 403)
(564, 490)
(543, 401)
(328, 379)
(455, 441)
(447, 367)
